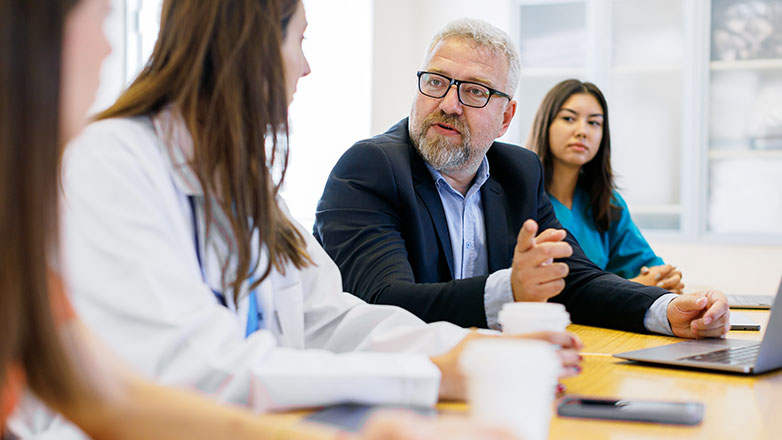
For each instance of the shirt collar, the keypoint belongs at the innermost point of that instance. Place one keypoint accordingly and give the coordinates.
(481, 176)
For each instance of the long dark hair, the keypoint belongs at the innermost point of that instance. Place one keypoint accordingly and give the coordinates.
(597, 177)
(30, 50)
(218, 63)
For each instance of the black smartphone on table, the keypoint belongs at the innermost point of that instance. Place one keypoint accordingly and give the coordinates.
(676, 413)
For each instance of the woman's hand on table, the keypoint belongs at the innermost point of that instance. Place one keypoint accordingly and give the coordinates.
(664, 276)
(452, 382)
(403, 425)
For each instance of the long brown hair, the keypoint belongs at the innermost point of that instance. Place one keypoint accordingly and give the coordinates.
(219, 65)
(30, 50)
(596, 177)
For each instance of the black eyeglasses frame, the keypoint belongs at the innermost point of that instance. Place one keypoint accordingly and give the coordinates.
(458, 83)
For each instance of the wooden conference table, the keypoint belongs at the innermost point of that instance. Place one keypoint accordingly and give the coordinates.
(745, 407)
(737, 406)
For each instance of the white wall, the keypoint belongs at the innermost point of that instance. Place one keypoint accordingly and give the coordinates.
(731, 268)
(331, 109)
(112, 78)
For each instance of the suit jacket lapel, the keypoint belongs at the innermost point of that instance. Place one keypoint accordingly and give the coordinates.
(424, 187)
(494, 217)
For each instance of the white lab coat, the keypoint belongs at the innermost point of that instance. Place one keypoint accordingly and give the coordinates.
(134, 278)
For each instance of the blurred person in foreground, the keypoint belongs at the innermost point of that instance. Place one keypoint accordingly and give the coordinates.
(50, 55)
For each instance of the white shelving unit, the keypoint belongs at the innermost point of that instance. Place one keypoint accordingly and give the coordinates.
(744, 137)
(693, 157)
(759, 64)
(745, 154)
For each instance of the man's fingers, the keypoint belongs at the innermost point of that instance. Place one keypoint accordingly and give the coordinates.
(712, 332)
(690, 303)
(541, 292)
(551, 272)
(542, 275)
(545, 252)
(550, 289)
(718, 307)
(711, 310)
(526, 238)
(702, 324)
(551, 235)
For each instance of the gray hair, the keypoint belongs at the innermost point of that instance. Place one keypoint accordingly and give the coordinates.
(484, 35)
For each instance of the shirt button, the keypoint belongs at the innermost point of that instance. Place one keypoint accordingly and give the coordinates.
(468, 245)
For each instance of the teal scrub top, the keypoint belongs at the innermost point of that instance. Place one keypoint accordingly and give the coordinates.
(621, 250)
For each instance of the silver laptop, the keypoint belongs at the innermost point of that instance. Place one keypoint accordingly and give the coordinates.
(739, 356)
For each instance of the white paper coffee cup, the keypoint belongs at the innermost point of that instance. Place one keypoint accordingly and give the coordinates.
(511, 383)
(529, 317)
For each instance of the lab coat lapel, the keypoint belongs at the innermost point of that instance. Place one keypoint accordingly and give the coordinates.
(288, 310)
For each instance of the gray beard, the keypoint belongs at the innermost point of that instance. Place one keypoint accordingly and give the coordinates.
(439, 153)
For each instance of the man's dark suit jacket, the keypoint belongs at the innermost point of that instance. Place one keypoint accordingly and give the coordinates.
(381, 219)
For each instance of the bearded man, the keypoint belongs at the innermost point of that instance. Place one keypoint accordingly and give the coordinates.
(436, 217)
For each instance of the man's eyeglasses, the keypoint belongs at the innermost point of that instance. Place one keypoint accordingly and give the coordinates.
(470, 93)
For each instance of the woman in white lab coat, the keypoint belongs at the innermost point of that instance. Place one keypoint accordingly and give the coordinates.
(50, 57)
(180, 255)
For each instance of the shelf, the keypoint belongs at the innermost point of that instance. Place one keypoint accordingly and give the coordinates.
(539, 72)
(760, 64)
(744, 154)
(548, 2)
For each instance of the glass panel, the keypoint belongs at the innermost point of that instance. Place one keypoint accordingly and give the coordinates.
(746, 109)
(746, 29)
(644, 98)
(553, 47)
(745, 118)
(647, 32)
(645, 123)
(746, 195)
(553, 35)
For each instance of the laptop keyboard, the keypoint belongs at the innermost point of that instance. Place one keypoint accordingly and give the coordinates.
(732, 356)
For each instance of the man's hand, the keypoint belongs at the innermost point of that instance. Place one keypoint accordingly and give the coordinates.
(664, 276)
(699, 315)
(452, 381)
(534, 275)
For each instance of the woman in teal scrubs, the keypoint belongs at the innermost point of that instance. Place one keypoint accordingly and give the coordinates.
(570, 134)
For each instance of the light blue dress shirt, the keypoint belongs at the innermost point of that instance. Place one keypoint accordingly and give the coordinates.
(464, 216)
(466, 229)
